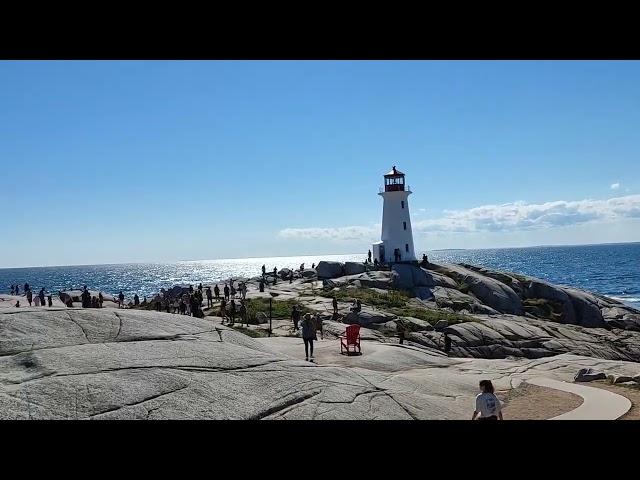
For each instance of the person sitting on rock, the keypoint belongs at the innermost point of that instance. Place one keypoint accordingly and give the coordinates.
(488, 406)
(425, 261)
(302, 267)
(17, 305)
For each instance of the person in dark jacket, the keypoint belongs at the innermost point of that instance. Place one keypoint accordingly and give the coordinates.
(308, 335)
(232, 311)
(295, 316)
(209, 297)
(244, 318)
(216, 291)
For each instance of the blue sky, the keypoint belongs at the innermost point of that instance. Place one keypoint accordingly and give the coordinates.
(161, 161)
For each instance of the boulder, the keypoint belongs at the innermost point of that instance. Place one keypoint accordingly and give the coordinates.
(284, 273)
(489, 291)
(329, 270)
(458, 301)
(619, 378)
(354, 268)
(367, 316)
(588, 375)
(308, 273)
(372, 279)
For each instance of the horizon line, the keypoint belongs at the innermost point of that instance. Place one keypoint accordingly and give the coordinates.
(317, 255)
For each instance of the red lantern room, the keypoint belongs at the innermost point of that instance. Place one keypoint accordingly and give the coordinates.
(394, 181)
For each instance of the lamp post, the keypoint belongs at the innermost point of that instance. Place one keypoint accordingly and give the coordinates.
(273, 295)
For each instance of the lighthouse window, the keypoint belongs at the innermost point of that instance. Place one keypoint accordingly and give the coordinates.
(406, 247)
(405, 225)
(402, 203)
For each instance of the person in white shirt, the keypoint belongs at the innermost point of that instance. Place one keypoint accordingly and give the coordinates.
(488, 406)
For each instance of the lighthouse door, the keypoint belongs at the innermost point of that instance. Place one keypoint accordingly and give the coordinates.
(381, 250)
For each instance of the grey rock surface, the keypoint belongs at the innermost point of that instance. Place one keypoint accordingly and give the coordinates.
(354, 268)
(329, 270)
(588, 375)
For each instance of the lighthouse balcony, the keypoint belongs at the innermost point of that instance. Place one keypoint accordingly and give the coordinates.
(395, 188)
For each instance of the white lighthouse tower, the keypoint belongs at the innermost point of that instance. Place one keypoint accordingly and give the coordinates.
(396, 243)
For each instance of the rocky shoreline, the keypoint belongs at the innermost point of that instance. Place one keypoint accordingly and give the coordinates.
(61, 362)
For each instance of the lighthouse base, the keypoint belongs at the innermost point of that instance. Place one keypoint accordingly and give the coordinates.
(385, 254)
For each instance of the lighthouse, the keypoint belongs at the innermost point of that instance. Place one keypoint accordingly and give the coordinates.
(396, 243)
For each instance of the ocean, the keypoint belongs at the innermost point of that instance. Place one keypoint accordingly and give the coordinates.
(612, 269)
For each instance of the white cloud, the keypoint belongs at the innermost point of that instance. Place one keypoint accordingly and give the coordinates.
(527, 216)
(615, 186)
(508, 217)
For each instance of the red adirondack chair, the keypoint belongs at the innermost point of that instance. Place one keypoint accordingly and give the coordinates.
(350, 339)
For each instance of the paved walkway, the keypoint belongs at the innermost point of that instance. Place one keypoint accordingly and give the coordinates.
(598, 404)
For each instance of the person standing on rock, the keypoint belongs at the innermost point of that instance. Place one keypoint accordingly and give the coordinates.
(244, 318)
(313, 266)
(290, 277)
(264, 270)
(100, 299)
(369, 256)
(318, 321)
(232, 311)
(136, 300)
(216, 291)
(41, 295)
(308, 335)
(401, 330)
(447, 343)
(335, 307)
(29, 297)
(50, 300)
(275, 275)
(261, 285)
(121, 299)
(243, 290)
(295, 316)
(209, 297)
(223, 310)
(488, 406)
(226, 292)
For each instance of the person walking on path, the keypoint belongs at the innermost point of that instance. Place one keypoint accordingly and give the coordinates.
(216, 291)
(295, 316)
(335, 307)
(308, 335)
(488, 406)
(121, 300)
(209, 297)
(226, 292)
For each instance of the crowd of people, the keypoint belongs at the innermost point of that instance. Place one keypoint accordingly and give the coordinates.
(42, 299)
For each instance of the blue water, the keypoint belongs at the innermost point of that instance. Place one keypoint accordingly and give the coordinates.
(612, 270)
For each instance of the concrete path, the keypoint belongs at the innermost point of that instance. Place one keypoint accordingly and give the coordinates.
(598, 404)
